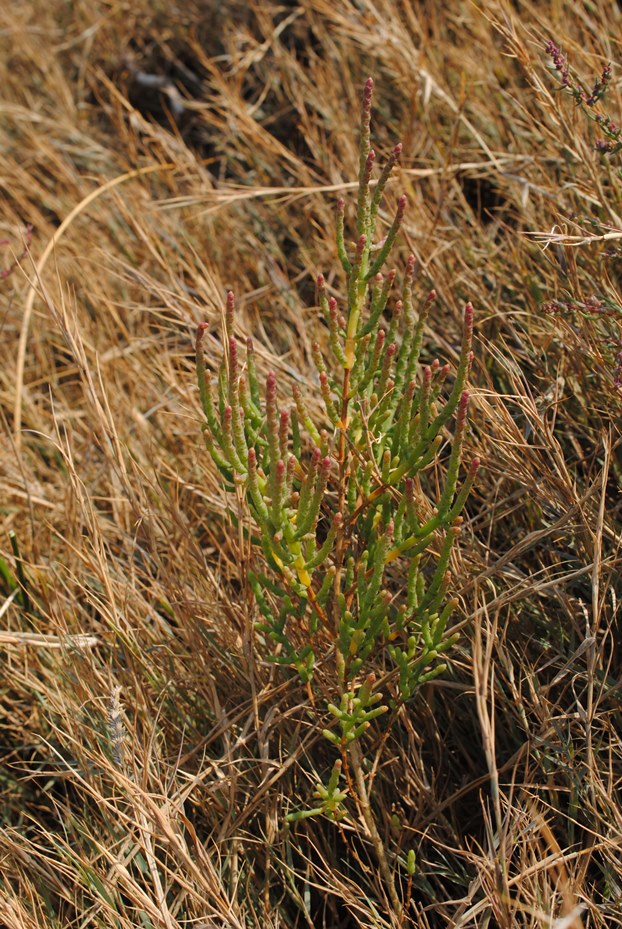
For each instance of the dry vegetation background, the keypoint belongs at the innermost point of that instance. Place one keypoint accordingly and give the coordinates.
(149, 756)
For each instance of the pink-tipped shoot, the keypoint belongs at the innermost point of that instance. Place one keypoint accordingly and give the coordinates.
(230, 311)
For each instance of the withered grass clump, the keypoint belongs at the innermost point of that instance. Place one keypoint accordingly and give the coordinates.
(157, 768)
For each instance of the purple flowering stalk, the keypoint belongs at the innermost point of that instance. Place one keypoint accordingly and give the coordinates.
(611, 141)
(593, 308)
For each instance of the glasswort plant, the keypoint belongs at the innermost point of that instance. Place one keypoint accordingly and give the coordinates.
(343, 532)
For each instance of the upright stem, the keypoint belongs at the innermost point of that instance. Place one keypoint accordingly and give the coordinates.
(387, 875)
(341, 538)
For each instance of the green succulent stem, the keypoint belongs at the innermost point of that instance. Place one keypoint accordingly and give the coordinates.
(350, 546)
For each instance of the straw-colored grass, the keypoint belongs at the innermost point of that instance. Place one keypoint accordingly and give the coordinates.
(149, 754)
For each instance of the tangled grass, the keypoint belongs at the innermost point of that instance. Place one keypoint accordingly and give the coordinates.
(164, 154)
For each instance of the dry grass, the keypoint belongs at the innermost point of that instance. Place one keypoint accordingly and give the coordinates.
(148, 754)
